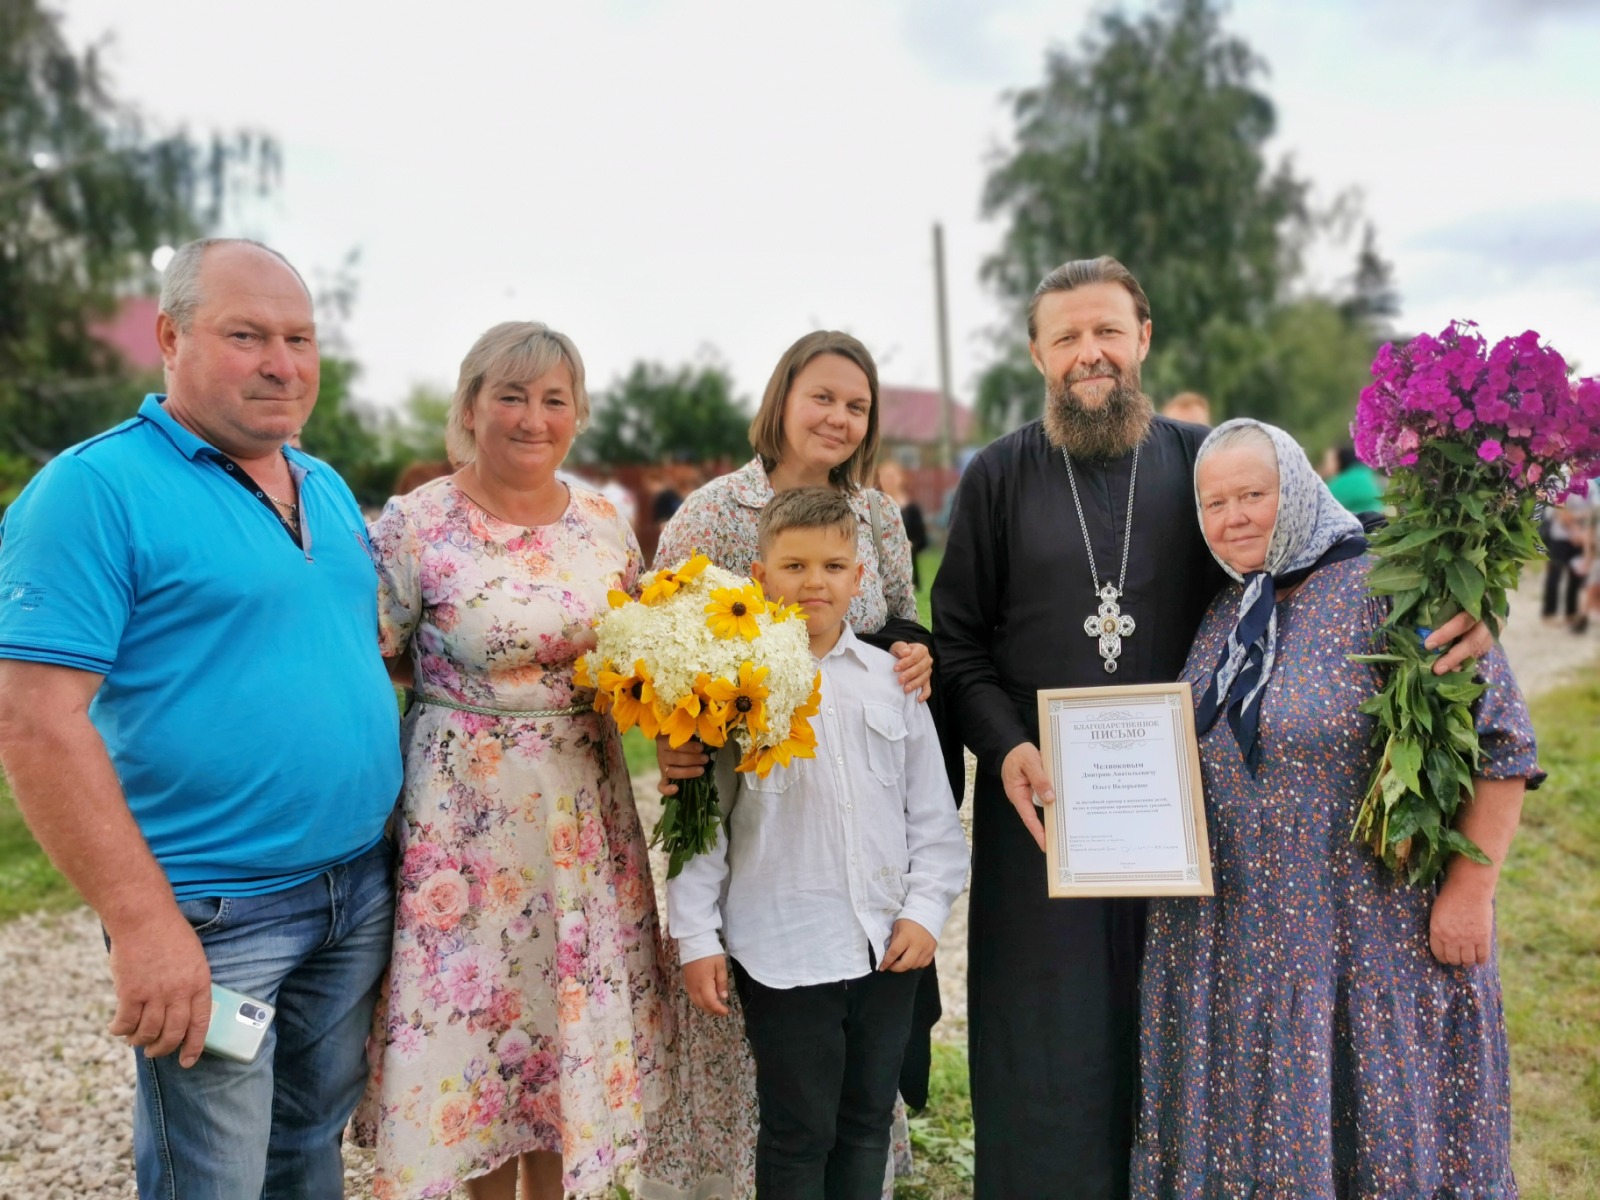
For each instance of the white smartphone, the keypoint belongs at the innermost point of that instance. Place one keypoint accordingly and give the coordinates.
(238, 1025)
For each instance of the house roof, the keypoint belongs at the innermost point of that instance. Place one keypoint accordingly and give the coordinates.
(131, 332)
(912, 415)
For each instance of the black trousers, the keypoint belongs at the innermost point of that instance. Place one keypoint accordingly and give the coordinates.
(1561, 583)
(827, 1064)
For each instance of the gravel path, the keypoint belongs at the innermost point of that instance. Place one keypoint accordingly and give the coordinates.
(66, 1087)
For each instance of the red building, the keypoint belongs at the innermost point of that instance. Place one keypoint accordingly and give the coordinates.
(131, 332)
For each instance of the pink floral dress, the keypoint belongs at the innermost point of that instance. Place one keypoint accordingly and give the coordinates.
(526, 1005)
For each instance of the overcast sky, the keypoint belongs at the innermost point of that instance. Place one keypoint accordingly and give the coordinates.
(665, 180)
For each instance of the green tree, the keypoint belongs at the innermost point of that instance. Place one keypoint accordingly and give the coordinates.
(87, 192)
(657, 413)
(1149, 143)
(1303, 370)
(423, 414)
(348, 435)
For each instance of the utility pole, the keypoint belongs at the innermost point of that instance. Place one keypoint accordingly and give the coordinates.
(947, 452)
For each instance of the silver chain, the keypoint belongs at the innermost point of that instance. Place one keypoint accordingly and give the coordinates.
(1127, 529)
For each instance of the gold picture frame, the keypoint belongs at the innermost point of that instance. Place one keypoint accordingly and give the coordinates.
(1129, 816)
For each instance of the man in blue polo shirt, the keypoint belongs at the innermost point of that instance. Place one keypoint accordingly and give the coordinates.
(199, 730)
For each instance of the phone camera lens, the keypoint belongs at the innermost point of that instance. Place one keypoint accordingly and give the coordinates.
(253, 1013)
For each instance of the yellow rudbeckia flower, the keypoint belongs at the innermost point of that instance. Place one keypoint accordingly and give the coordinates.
(746, 700)
(732, 612)
(693, 716)
(782, 612)
(761, 760)
(693, 567)
(813, 704)
(665, 583)
(633, 699)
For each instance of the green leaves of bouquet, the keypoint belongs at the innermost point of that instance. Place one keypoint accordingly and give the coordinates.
(1473, 439)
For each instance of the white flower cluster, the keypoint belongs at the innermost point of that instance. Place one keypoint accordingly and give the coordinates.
(674, 639)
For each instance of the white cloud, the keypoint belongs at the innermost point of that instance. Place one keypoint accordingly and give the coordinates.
(653, 178)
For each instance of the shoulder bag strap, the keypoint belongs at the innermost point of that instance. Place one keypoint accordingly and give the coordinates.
(877, 525)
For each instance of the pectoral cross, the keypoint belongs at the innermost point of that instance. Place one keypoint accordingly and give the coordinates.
(1111, 625)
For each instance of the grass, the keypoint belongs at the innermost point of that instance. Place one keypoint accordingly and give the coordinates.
(941, 1134)
(1549, 913)
(640, 752)
(28, 882)
(927, 566)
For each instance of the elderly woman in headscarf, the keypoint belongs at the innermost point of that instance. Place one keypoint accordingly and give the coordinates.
(1319, 1028)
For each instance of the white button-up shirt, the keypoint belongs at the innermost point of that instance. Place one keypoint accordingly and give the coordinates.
(823, 856)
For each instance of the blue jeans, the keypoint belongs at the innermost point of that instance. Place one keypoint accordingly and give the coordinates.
(223, 1130)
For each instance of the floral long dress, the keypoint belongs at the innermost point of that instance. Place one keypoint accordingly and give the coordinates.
(526, 1005)
(1299, 1041)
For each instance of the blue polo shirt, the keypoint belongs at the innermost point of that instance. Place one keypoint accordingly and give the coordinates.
(244, 705)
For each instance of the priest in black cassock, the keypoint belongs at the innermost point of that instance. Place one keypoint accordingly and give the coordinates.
(1091, 506)
(1087, 513)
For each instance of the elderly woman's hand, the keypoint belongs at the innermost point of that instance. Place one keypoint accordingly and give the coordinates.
(914, 665)
(1461, 928)
(686, 762)
(1472, 640)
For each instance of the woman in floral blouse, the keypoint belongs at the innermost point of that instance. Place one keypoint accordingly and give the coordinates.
(817, 427)
(525, 1019)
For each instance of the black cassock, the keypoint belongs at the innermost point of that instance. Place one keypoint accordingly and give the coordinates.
(1052, 984)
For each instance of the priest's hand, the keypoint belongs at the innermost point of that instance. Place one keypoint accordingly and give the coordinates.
(1022, 775)
(1472, 640)
(913, 663)
(686, 762)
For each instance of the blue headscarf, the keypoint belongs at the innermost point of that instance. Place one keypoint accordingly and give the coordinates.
(1312, 530)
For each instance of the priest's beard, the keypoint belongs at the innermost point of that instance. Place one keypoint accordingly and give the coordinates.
(1109, 431)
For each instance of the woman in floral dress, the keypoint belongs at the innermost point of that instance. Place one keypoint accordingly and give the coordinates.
(524, 1026)
(1319, 1029)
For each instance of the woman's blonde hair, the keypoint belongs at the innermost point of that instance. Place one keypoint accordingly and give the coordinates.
(766, 430)
(511, 352)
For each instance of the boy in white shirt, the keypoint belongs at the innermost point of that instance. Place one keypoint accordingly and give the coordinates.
(831, 886)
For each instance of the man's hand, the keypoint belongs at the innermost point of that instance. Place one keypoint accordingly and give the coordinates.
(1022, 776)
(914, 665)
(686, 762)
(706, 981)
(1472, 640)
(1461, 927)
(163, 987)
(910, 946)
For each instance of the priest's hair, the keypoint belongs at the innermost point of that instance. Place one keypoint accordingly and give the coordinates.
(1082, 272)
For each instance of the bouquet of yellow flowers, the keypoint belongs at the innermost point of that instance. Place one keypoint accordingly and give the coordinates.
(704, 654)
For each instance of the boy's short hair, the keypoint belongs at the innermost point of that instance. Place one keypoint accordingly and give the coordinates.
(806, 508)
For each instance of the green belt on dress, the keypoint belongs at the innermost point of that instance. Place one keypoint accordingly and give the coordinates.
(571, 710)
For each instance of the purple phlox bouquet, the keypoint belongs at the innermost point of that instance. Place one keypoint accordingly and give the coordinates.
(1514, 405)
(1472, 438)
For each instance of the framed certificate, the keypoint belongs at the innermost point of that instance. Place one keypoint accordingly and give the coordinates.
(1129, 817)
